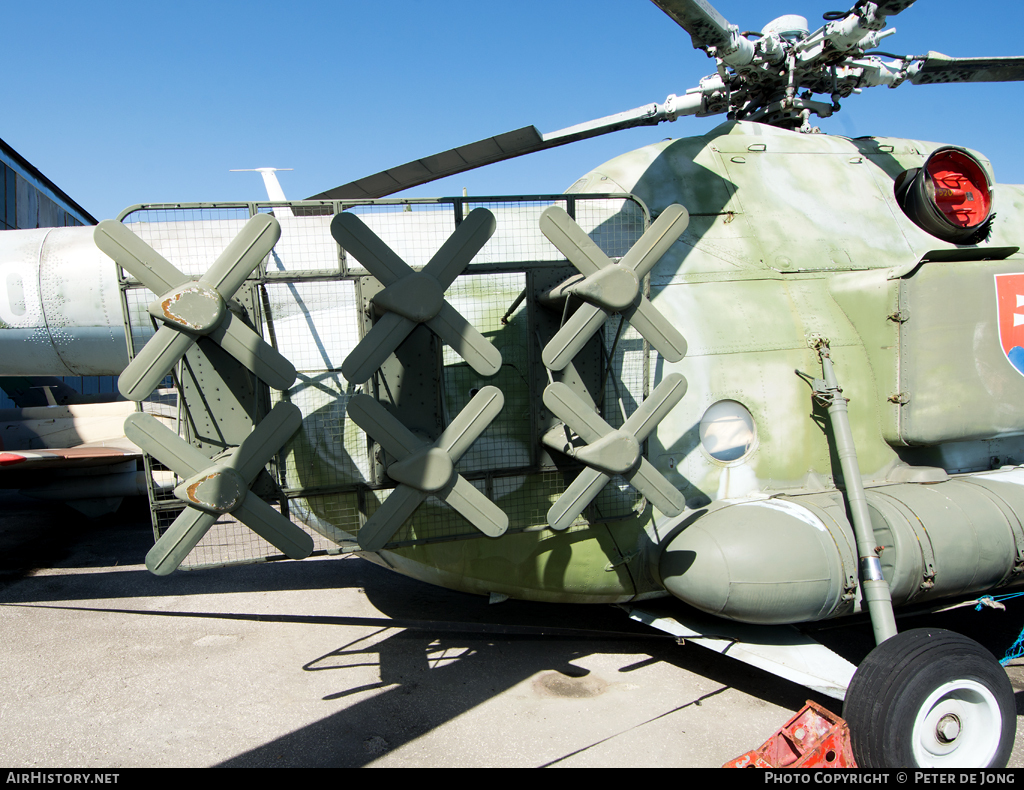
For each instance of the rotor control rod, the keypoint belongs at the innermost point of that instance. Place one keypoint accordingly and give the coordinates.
(646, 115)
(875, 588)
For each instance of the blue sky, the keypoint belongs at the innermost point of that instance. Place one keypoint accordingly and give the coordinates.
(122, 103)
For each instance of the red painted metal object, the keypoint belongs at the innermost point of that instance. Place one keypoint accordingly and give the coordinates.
(813, 738)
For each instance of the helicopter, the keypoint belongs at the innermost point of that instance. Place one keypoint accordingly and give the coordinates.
(767, 372)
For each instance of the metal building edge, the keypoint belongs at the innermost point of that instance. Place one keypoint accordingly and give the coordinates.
(17, 162)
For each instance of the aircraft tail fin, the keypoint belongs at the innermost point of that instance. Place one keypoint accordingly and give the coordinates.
(274, 192)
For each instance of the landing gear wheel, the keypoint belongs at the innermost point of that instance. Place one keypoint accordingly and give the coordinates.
(930, 698)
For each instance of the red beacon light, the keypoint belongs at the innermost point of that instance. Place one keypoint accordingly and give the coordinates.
(949, 197)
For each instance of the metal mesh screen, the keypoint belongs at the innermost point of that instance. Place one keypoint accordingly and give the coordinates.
(305, 246)
(307, 305)
(484, 301)
(191, 239)
(229, 541)
(415, 231)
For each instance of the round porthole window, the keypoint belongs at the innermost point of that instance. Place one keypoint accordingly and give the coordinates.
(727, 431)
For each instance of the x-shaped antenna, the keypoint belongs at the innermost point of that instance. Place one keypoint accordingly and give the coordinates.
(613, 452)
(422, 468)
(190, 309)
(609, 288)
(220, 485)
(412, 298)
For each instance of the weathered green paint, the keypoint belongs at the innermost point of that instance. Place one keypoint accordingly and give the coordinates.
(792, 239)
(568, 567)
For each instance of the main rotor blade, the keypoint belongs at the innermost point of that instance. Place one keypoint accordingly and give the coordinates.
(504, 146)
(706, 26)
(893, 7)
(939, 68)
(447, 163)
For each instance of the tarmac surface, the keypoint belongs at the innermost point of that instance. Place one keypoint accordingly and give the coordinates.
(336, 662)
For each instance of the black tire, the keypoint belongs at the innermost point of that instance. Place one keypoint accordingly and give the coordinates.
(930, 698)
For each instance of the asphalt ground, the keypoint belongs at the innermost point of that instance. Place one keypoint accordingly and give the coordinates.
(336, 662)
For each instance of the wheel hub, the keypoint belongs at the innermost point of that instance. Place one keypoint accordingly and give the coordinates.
(958, 725)
(948, 729)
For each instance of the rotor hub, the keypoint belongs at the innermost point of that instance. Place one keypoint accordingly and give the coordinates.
(791, 27)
